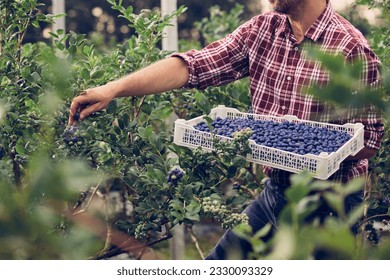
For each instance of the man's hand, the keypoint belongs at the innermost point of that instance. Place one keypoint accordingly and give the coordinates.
(164, 75)
(90, 101)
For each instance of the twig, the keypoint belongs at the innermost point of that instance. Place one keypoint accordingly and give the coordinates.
(371, 218)
(196, 242)
(366, 196)
(21, 36)
(107, 243)
(249, 169)
(140, 106)
(109, 253)
(123, 248)
(95, 189)
(133, 106)
(119, 239)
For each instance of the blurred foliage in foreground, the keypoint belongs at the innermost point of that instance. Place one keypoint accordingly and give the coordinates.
(107, 192)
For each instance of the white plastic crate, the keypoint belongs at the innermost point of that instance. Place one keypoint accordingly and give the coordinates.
(320, 166)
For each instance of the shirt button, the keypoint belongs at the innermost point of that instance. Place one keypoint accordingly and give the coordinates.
(283, 107)
(296, 49)
(288, 78)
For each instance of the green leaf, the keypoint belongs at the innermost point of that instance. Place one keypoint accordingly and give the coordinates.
(97, 74)
(353, 187)
(146, 108)
(239, 161)
(117, 130)
(85, 74)
(238, 200)
(192, 211)
(335, 202)
(87, 50)
(192, 217)
(186, 192)
(20, 148)
(145, 133)
(296, 193)
(121, 124)
(355, 214)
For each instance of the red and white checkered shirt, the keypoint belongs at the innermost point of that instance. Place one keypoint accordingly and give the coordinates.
(266, 50)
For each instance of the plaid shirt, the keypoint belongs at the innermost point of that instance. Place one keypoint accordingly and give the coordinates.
(266, 50)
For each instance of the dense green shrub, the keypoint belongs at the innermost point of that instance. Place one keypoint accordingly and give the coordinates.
(49, 186)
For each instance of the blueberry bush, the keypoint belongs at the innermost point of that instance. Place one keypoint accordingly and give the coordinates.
(115, 182)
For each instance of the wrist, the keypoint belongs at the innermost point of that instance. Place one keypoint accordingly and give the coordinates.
(114, 89)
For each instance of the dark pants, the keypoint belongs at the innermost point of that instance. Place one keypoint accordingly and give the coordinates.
(265, 209)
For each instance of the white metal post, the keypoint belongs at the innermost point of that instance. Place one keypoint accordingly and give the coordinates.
(170, 43)
(58, 8)
(170, 40)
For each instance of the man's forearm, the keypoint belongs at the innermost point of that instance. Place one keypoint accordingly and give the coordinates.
(164, 75)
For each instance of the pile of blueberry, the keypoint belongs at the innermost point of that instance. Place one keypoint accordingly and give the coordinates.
(287, 136)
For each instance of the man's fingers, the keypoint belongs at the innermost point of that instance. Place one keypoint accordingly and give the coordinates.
(87, 111)
(78, 104)
(86, 104)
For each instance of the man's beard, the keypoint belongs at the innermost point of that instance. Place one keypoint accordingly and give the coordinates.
(287, 6)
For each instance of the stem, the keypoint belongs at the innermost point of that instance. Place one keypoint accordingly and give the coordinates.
(250, 171)
(220, 182)
(1, 42)
(371, 218)
(138, 111)
(16, 168)
(108, 242)
(17, 174)
(21, 35)
(95, 189)
(126, 249)
(234, 100)
(133, 105)
(367, 194)
(131, 188)
(196, 242)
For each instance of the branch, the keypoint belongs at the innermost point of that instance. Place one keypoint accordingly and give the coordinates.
(249, 169)
(371, 218)
(21, 35)
(108, 226)
(140, 106)
(90, 199)
(196, 242)
(122, 241)
(123, 248)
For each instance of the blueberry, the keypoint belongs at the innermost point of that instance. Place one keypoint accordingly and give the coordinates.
(175, 175)
(2, 152)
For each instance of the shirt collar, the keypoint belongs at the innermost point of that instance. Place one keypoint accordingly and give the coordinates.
(316, 29)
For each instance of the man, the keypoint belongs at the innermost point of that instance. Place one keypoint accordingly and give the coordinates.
(268, 49)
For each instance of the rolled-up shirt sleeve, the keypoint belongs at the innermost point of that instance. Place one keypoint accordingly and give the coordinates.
(369, 116)
(219, 63)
